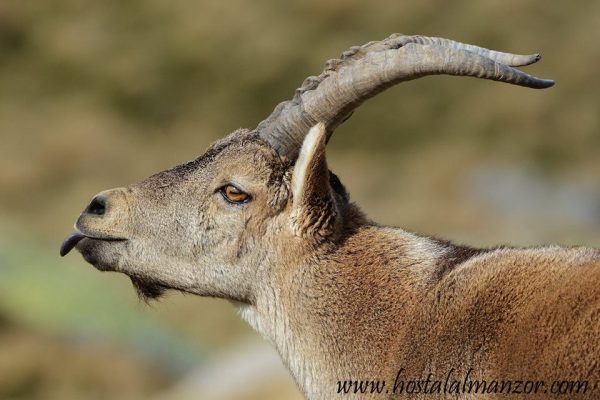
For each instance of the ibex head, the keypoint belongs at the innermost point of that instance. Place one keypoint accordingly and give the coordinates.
(264, 198)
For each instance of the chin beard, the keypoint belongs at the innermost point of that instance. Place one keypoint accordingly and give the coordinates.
(146, 289)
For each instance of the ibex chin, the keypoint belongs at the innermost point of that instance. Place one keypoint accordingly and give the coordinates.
(260, 220)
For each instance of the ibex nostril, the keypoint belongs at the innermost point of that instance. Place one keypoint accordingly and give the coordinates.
(97, 206)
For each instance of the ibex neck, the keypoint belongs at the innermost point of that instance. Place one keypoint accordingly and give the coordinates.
(331, 316)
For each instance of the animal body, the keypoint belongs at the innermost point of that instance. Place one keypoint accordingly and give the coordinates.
(260, 220)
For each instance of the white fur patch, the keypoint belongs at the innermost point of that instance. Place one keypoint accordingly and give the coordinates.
(311, 141)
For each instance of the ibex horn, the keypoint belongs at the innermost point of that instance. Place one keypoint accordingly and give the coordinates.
(364, 71)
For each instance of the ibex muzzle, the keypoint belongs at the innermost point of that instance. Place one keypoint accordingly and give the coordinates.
(106, 219)
(261, 220)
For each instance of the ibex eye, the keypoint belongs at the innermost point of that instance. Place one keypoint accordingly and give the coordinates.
(234, 195)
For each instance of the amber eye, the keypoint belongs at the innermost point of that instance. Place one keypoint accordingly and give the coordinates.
(234, 195)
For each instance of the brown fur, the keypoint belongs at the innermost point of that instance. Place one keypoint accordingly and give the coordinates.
(506, 313)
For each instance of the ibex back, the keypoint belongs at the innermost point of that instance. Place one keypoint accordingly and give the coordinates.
(260, 220)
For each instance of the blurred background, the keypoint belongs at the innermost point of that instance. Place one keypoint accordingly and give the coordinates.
(95, 95)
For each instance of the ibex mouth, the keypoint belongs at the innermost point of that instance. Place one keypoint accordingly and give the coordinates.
(71, 241)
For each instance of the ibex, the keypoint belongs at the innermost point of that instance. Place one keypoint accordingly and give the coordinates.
(260, 220)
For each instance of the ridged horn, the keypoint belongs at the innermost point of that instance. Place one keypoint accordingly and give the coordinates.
(364, 71)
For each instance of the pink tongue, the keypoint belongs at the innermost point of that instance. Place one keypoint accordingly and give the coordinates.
(70, 242)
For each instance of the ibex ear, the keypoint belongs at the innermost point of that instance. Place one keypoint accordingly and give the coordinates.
(314, 212)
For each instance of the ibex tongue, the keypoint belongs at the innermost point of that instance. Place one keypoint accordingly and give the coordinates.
(70, 242)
